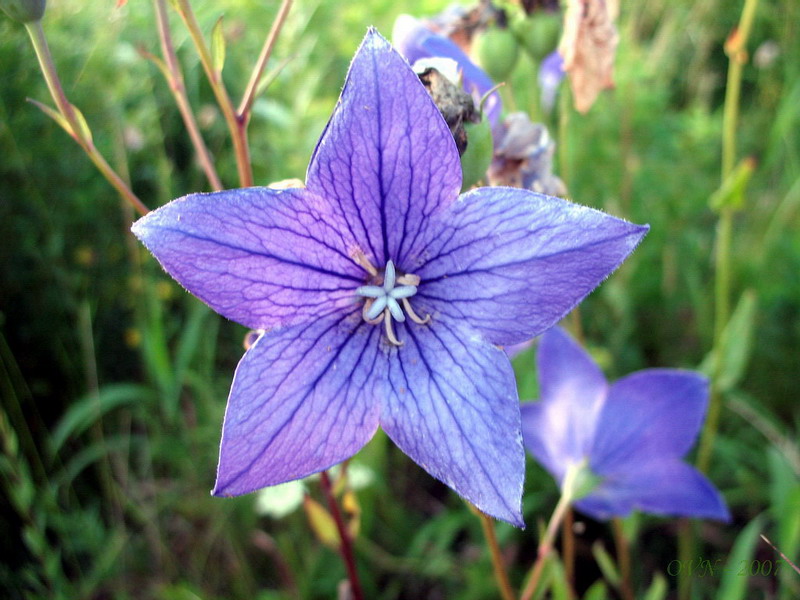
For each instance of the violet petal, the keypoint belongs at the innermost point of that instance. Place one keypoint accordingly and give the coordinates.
(452, 407)
(666, 487)
(512, 262)
(649, 414)
(303, 399)
(387, 161)
(264, 258)
(559, 429)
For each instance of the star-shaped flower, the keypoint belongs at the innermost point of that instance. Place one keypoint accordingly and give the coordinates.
(383, 295)
(631, 435)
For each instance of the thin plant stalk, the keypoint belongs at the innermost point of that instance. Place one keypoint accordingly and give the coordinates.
(346, 544)
(546, 544)
(236, 126)
(735, 48)
(500, 574)
(568, 546)
(73, 123)
(178, 89)
(623, 559)
(249, 96)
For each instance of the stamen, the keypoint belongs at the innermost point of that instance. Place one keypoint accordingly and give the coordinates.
(387, 320)
(408, 279)
(414, 316)
(362, 260)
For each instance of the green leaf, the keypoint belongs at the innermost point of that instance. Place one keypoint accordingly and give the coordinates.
(478, 156)
(558, 582)
(606, 564)
(731, 193)
(157, 61)
(597, 591)
(733, 585)
(735, 344)
(83, 125)
(53, 114)
(89, 455)
(218, 46)
(89, 409)
(322, 523)
(658, 588)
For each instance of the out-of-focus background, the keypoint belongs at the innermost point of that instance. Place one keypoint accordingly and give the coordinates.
(114, 380)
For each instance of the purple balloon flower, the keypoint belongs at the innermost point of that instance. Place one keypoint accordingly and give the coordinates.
(383, 295)
(415, 41)
(633, 433)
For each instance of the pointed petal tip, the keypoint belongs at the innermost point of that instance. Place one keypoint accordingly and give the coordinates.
(373, 40)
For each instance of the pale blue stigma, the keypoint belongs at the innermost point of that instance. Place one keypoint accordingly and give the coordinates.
(384, 301)
(387, 295)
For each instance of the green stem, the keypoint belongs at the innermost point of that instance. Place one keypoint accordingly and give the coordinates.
(500, 574)
(686, 550)
(76, 129)
(236, 125)
(178, 89)
(735, 48)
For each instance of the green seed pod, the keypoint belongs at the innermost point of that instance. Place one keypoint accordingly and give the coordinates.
(24, 11)
(495, 50)
(538, 34)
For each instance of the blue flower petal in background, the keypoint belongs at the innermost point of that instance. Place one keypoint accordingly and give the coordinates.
(551, 73)
(633, 433)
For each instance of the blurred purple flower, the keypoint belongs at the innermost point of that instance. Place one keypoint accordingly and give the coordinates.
(383, 295)
(551, 72)
(633, 433)
(415, 41)
(523, 157)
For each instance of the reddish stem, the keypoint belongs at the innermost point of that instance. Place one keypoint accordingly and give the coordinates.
(346, 545)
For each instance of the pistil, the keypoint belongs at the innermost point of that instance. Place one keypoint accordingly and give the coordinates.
(383, 302)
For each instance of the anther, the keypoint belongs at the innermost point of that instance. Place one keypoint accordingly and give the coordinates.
(362, 260)
(387, 320)
(414, 316)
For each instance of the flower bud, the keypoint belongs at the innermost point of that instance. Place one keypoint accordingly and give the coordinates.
(495, 50)
(538, 33)
(24, 11)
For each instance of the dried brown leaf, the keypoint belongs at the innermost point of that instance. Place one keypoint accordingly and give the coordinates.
(588, 46)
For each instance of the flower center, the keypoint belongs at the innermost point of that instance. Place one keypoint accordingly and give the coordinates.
(387, 301)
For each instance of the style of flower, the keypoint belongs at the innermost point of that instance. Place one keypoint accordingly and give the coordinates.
(628, 437)
(417, 42)
(383, 295)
